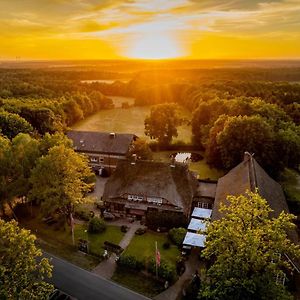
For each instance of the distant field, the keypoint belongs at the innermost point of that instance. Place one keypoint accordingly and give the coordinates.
(125, 120)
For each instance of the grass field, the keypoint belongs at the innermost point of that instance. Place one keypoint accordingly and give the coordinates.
(112, 234)
(143, 246)
(203, 170)
(59, 242)
(138, 282)
(125, 120)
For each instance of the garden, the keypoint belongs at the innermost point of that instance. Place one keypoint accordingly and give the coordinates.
(57, 240)
(139, 261)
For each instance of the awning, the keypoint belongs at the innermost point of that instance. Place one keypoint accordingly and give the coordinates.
(201, 213)
(197, 225)
(194, 239)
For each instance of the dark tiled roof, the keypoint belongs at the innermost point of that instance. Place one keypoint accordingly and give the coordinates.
(177, 185)
(101, 142)
(249, 175)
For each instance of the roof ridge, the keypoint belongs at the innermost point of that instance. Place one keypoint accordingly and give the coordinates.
(253, 178)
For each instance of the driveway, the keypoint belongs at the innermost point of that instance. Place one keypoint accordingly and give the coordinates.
(84, 285)
(99, 187)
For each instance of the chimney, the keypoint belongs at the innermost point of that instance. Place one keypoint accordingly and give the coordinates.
(248, 156)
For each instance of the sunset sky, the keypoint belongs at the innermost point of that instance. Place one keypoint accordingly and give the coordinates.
(107, 29)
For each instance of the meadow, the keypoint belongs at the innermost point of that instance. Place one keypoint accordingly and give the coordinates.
(127, 120)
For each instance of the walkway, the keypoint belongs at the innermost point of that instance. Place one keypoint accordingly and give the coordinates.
(173, 292)
(107, 267)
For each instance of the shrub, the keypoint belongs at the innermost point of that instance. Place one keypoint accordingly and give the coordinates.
(166, 271)
(177, 235)
(166, 245)
(96, 225)
(131, 262)
(168, 219)
(124, 228)
(83, 214)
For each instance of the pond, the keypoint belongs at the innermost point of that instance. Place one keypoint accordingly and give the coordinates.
(108, 81)
(185, 157)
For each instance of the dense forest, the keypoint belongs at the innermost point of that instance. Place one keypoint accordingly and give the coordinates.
(232, 109)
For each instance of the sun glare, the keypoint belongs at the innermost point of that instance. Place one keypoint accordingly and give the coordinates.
(154, 46)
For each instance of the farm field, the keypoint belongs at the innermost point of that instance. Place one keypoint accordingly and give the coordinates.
(126, 120)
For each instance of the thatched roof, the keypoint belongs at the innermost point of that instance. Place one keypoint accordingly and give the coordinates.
(249, 175)
(101, 142)
(176, 184)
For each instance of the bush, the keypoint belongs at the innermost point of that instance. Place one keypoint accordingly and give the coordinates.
(168, 219)
(129, 261)
(96, 225)
(176, 235)
(83, 214)
(166, 245)
(124, 228)
(166, 271)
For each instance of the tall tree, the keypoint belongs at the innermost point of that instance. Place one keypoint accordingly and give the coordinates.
(240, 134)
(22, 270)
(12, 124)
(248, 248)
(60, 180)
(162, 123)
(141, 149)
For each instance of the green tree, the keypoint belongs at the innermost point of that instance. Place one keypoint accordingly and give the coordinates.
(59, 181)
(6, 172)
(248, 248)
(12, 124)
(235, 135)
(141, 148)
(163, 122)
(25, 150)
(22, 270)
(50, 140)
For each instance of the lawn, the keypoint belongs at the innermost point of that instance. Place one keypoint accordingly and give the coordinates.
(138, 282)
(143, 246)
(126, 120)
(112, 234)
(201, 167)
(59, 242)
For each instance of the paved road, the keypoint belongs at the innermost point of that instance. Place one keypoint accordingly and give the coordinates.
(85, 285)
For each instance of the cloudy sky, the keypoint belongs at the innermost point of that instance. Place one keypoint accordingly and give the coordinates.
(103, 29)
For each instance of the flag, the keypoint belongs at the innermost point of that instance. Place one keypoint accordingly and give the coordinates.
(157, 257)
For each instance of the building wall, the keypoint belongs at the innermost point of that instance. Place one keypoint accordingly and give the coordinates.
(101, 160)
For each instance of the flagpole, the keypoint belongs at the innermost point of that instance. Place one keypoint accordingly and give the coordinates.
(72, 228)
(156, 259)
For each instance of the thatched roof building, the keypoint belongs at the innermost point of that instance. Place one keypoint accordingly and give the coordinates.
(249, 175)
(149, 183)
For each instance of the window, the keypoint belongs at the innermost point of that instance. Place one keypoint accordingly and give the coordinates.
(93, 159)
(135, 198)
(204, 205)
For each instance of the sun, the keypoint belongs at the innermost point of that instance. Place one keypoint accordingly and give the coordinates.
(154, 46)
